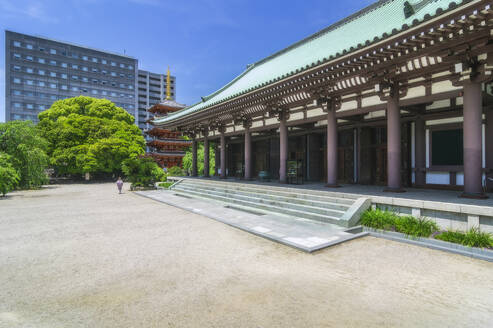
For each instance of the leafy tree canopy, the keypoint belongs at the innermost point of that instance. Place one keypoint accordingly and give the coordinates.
(27, 150)
(89, 135)
(188, 159)
(9, 178)
(142, 171)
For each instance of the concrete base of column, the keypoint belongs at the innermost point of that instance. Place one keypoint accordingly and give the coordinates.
(396, 190)
(473, 196)
(332, 185)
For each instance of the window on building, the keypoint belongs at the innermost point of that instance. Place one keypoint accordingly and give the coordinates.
(122, 75)
(53, 62)
(17, 105)
(131, 87)
(41, 84)
(130, 67)
(53, 85)
(29, 58)
(41, 107)
(75, 89)
(122, 85)
(113, 84)
(17, 92)
(41, 60)
(75, 77)
(29, 46)
(74, 55)
(17, 80)
(17, 68)
(43, 95)
(63, 87)
(103, 61)
(95, 81)
(41, 49)
(53, 97)
(29, 82)
(17, 56)
(29, 70)
(113, 94)
(17, 44)
(94, 92)
(84, 90)
(53, 51)
(94, 70)
(75, 66)
(63, 76)
(29, 94)
(53, 74)
(41, 72)
(84, 68)
(29, 106)
(104, 72)
(94, 60)
(113, 63)
(85, 79)
(122, 65)
(104, 93)
(113, 74)
(64, 65)
(104, 82)
(17, 117)
(447, 148)
(85, 58)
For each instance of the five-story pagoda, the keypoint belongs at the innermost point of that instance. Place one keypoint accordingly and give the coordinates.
(165, 146)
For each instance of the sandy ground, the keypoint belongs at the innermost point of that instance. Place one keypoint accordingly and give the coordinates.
(84, 256)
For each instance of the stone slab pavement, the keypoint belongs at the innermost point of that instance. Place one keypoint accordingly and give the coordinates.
(306, 235)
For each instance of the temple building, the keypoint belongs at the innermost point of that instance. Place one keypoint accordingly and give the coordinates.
(165, 146)
(398, 94)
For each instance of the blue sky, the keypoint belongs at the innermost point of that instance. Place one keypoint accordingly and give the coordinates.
(206, 43)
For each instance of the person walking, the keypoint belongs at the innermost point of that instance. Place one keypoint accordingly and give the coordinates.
(119, 184)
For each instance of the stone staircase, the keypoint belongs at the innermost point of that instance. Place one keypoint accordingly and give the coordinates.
(329, 207)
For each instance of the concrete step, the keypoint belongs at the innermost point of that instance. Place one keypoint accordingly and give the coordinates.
(262, 206)
(273, 191)
(278, 201)
(329, 202)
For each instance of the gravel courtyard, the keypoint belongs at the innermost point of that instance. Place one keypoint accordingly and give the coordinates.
(84, 256)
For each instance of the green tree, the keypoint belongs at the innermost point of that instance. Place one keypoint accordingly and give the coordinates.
(142, 171)
(188, 159)
(9, 178)
(89, 135)
(27, 149)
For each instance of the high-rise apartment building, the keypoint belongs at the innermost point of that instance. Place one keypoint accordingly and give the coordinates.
(39, 71)
(151, 90)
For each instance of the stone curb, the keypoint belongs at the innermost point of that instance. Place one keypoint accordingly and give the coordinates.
(474, 252)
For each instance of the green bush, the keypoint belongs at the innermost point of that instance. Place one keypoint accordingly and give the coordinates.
(471, 238)
(408, 225)
(9, 178)
(176, 171)
(142, 171)
(27, 150)
(165, 184)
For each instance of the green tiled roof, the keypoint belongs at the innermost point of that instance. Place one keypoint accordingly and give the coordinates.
(372, 24)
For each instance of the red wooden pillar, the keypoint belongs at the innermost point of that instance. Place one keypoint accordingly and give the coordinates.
(489, 147)
(283, 149)
(473, 111)
(248, 152)
(206, 154)
(420, 152)
(331, 147)
(223, 155)
(393, 142)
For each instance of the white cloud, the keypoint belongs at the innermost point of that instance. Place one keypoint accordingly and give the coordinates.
(30, 9)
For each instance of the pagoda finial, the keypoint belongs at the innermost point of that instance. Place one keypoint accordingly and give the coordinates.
(168, 86)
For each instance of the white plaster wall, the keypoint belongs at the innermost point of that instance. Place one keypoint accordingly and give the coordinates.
(315, 112)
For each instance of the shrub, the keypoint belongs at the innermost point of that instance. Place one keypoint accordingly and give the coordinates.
(471, 238)
(142, 171)
(27, 150)
(9, 178)
(176, 171)
(408, 225)
(165, 184)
